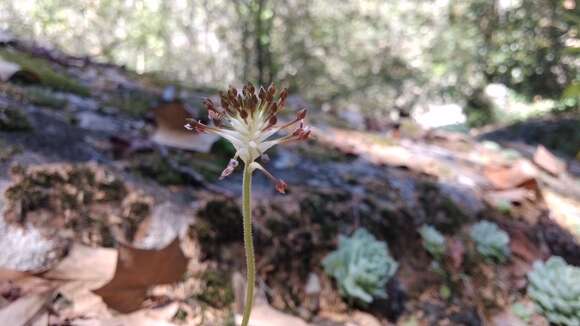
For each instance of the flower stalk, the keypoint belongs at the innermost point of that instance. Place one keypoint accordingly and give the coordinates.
(248, 120)
(248, 242)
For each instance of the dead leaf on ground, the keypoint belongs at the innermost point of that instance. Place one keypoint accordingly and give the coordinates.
(160, 316)
(264, 315)
(137, 270)
(564, 210)
(25, 310)
(517, 195)
(74, 266)
(171, 119)
(507, 177)
(84, 269)
(16, 284)
(548, 161)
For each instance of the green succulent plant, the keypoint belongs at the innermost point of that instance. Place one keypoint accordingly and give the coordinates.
(491, 241)
(433, 241)
(555, 288)
(361, 265)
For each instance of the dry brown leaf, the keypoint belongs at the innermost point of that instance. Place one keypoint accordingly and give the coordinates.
(548, 161)
(137, 270)
(502, 177)
(171, 119)
(25, 310)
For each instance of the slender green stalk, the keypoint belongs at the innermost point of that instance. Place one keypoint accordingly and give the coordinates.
(248, 243)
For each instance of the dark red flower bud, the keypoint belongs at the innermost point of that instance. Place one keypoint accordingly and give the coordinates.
(281, 186)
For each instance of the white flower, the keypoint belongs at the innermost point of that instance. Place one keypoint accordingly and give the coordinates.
(248, 120)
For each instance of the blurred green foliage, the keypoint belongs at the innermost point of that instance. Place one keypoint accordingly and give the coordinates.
(370, 55)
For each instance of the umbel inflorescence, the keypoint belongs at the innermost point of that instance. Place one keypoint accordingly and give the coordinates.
(248, 119)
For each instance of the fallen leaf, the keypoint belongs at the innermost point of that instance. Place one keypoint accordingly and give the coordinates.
(518, 174)
(264, 315)
(517, 195)
(137, 270)
(42, 320)
(7, 274)
(564, 210)
(74, 265)
(548, 161)
(146, 317)
(25, 310)
(170, 119)
(83, 269)
(16, 284)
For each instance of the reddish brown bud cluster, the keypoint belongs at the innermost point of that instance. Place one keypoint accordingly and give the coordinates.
(248, 120)
(247, 102)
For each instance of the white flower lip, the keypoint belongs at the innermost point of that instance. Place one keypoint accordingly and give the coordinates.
(248, 120)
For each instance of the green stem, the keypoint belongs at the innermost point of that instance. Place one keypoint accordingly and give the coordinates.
(248, 243)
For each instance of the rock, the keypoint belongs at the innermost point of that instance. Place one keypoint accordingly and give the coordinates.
(97, 122)
(312, 285)
(167, 221)
(25, 248)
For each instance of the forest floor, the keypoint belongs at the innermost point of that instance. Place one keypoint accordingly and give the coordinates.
(113, 213)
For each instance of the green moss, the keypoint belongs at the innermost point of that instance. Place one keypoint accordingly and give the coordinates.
(13, 119)
(180, 315)
(320, 153)
(42, 97)
(154, 166)
(133, 102)
(217, 291)
(45, 72)
(7, 151)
